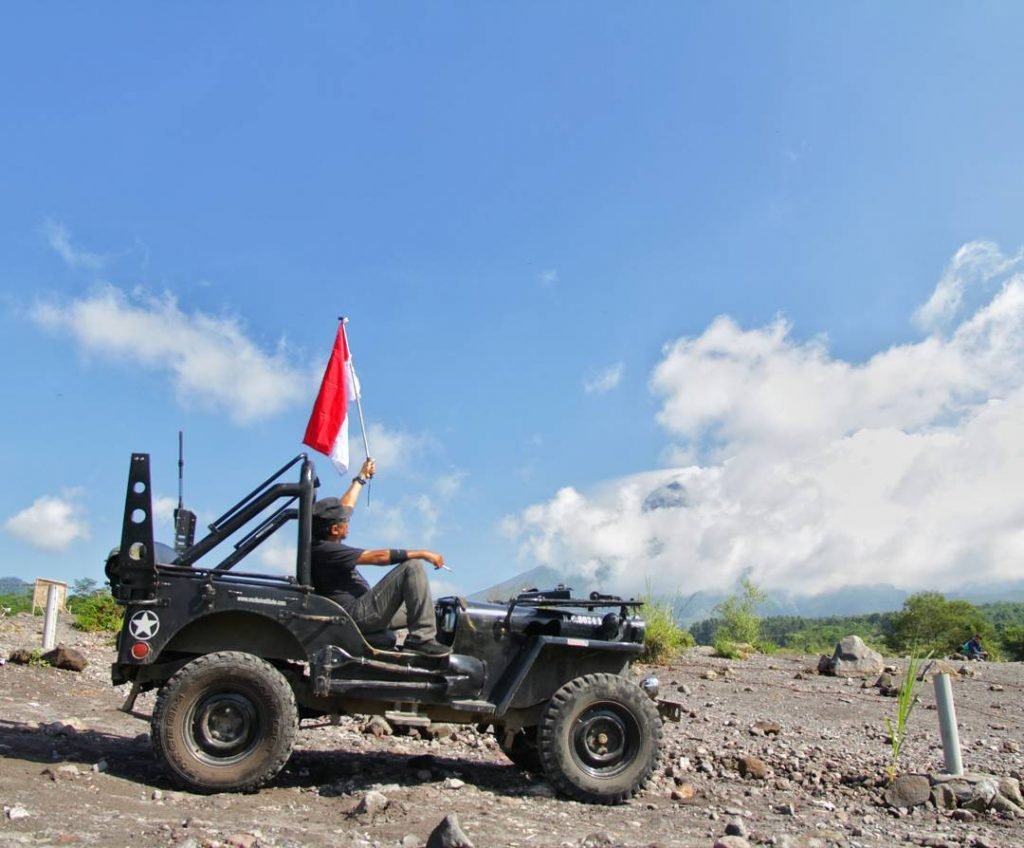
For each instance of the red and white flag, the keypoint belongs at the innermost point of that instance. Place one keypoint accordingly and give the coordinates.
(327, 430)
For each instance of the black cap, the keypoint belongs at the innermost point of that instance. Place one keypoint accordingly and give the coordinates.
(331, 509)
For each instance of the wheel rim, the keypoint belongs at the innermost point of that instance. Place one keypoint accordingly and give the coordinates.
(224, 727)
(605, 739)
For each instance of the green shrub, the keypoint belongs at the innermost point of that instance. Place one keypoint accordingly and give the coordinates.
(906, 698)
(16, 602)
(928, 623)
(1013, 641)
(665, 638)
(96, 612)
(727, 649)
(738, 619)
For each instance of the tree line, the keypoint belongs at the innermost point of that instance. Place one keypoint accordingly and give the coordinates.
(928, 623)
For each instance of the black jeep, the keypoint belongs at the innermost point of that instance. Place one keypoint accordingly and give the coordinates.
(239, 657)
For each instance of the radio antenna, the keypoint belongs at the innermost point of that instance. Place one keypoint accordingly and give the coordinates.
(184, 519)
(181, 469)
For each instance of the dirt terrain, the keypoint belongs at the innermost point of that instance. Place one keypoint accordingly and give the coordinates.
(768, 750)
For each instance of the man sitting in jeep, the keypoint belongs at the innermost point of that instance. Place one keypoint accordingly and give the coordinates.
(401, 599)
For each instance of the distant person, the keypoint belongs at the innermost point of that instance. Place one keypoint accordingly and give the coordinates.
(973, 648)
(401, 599)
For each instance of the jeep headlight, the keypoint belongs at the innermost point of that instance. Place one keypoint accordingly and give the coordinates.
(651, 685)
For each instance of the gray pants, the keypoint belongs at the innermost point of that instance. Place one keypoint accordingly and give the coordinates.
(400, 599)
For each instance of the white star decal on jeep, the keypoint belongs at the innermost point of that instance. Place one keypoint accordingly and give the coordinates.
(144, 625)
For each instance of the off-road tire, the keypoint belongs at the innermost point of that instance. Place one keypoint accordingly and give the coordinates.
(226, 722)
(599, 739)
(522, 750)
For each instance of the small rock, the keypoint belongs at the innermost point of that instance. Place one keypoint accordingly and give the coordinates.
(785, 809)
(984, 793)
(21, 656)
(371, 804)
(157, 795)
(908, 790)
(735, 827)
(448, 834)
(378, 726)
(66, 658)
(453, 783)
(995, 687)
(752, 767)
(600, 839)
(410, 841)
(964, 816)
(1009, 787)
(64, 772)
(242, 840)
(438, 731)
(765, 728)
(684, 792)
(731, 842)
(101, 766)
(16, 812)
(936, 667)
(709, 675)
(943, 797)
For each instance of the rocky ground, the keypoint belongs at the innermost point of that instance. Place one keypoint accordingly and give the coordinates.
(768, 752)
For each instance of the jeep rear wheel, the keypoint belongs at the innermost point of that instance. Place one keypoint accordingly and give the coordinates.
(599, 739)
(226, 722)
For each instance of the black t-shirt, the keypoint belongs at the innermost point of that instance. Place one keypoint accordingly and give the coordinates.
(334, 571)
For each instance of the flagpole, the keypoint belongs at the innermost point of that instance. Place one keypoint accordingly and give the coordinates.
(358, 394)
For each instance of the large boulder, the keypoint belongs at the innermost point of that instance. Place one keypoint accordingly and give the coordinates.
(852, 658)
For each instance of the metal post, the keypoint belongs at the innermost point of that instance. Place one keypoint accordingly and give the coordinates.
(50, 620)
(947, 725)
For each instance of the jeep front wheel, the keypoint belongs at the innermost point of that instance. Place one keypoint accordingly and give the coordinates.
(599, 738)
(226, 722)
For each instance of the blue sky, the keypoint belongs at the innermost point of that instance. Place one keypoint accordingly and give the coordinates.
(760, 261)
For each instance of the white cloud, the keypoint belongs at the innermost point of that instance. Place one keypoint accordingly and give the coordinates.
(548, 277)
(163, 511)
(392, 450)
(974, 266)
(447, 486)
(814, 472)
(210, 361)
(51, 524)
(605, 381)
(59, 239)
(274, 556)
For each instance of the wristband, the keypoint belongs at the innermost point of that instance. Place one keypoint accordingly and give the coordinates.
(397, 555)
(360, 480)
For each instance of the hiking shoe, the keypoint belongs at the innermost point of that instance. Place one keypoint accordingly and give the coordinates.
(427, 647)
